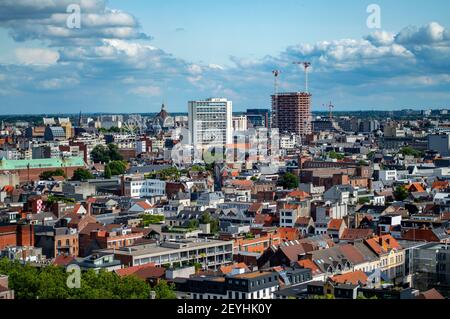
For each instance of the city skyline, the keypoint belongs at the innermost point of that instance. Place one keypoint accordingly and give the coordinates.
(130, 57)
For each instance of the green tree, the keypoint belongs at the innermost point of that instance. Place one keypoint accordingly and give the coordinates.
(114, 154)
(289, 181)
(206, 218)
(192, 224)
(170, 173)
(335, 155)
(47, 175)
(108, 173)
(49, 282)
(165, 290)
(100, 154)
(117, 167)
(152, 219)
(105, 154)
(363, 200)
(82, 174)
(409, 151)
(401, 193)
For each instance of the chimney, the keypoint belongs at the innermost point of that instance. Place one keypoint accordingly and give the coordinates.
(380, 241)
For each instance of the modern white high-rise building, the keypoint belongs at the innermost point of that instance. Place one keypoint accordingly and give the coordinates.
(211, 122)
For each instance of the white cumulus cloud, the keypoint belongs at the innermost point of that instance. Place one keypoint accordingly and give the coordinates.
(36, 56)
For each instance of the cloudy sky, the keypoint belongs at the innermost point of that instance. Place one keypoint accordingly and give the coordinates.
(131, 55)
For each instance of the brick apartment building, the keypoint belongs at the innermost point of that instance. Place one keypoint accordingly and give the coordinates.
(16, 235)
(292, 113)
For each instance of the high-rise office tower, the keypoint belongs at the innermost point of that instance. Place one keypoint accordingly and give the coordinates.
(292, 113)
(210, 122)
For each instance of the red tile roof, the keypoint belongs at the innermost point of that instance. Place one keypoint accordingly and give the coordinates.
(352, 253)
(255, 207)
(432, 294)
(63, 260)
(131, 270)
(356, 233)
(335, 224)
(303, 221)
(290, 206)
(387, 243)
(353, 278)
(288, 233)
(228, 269)
(415, 187)
(264, 219)
(309, 264)
(150, 272)
(440, 185)
(145, 205)
(420, 235)
(241, 183)
(299, 194)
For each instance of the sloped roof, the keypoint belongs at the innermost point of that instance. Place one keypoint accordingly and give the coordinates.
(335, 224)
(432, 294)
(352, 254)
(440, 185)
(353, 278)
(427, 235)
(144, 204)
(288, 233)
(299, 194)
(417, 186)
(131, 270)
(63, 260)
(228, 269)
(356, 233)
(303, 221)
(309, 264)
(150, 272)
(255, 207)
(387, 243)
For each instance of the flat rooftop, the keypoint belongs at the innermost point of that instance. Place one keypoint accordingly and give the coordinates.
(252, 275)
(167, 247)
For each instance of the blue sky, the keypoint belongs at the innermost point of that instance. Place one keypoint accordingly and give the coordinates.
(131, 55)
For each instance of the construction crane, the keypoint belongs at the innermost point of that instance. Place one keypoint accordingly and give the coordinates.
(330, 109)
(276, 74)
(306, 66)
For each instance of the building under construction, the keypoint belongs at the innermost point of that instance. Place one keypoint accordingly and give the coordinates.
(292, 113)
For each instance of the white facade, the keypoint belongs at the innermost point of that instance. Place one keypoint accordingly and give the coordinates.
(210, 122)
(388, 175)
(145, 188)
(240, 123)
(331, 210)
(288, 217)
(288, 142)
